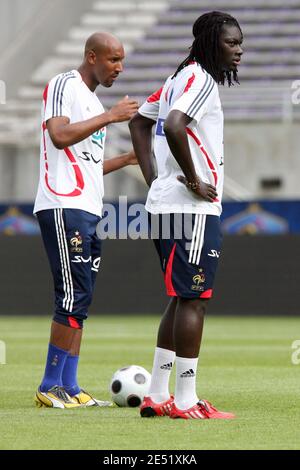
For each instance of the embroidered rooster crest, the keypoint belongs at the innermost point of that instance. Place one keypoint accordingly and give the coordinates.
(199, 279)
(76, 242)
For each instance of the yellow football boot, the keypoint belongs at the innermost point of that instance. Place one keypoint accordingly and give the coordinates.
(56, 397)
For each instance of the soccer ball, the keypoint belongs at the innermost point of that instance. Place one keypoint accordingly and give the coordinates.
(129, 385)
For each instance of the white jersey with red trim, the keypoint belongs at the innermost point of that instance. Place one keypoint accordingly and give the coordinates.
(73, 177)
(193, 92)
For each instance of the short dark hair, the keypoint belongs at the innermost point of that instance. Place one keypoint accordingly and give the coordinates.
(206, 47)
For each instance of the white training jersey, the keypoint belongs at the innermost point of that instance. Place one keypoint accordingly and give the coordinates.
(193, 92)
(73, 177)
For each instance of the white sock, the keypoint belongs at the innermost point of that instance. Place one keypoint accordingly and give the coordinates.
(185, 390)
(162, 367)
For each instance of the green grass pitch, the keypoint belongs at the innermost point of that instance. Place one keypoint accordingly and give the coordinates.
(245, 367)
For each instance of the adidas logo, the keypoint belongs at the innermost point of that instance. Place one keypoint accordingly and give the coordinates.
(54, 361)
(188, 373)
(167, 366)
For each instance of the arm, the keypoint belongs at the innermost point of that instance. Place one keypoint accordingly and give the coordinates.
(63, 134)
(119, 161)
(175, 131)
(141, 135)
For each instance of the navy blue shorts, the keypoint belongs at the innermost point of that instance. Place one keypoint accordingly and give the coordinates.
(74, 253)
(189, 247)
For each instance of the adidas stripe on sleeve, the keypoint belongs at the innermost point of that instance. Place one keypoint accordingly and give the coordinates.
(60, 96)
(195, 101)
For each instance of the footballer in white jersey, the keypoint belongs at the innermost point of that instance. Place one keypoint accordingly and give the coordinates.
(68, 205)
(193, 92)
(185, 189)
(71, 177)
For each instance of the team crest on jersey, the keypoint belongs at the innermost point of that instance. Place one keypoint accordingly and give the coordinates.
(198, 279)
(75, 242)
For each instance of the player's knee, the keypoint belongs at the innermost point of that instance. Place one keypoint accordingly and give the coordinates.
(199, 306)
(202, 306)
(77, 313)
(73, 320)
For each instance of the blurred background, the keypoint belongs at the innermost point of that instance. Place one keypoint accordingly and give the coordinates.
(259, 268)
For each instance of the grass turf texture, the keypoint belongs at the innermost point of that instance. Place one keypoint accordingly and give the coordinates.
(245, 367)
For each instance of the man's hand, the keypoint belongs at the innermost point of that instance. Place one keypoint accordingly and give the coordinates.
(205, 191)
(131, 158)
(115, 163)
(123, 110)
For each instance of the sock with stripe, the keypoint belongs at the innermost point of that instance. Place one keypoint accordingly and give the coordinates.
(185, 389)
(56, 359)
(69, 375)
(161, 371)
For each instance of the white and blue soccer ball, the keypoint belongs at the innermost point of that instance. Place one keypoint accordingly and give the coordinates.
(129, 385)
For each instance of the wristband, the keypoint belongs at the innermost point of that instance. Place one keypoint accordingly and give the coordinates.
(194, 185)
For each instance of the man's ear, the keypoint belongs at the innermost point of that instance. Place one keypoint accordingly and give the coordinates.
(91, 57)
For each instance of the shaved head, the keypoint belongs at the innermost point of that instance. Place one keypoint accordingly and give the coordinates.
(98, 42)
(103, 60)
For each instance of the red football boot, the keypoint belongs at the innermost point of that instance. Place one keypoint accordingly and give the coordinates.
(202, 410)
(149, 408)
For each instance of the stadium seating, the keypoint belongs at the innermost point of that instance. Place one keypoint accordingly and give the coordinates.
(271, 61)
(156, 36)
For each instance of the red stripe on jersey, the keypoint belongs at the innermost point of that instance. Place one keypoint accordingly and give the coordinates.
(168, 275)
(155, 96)
(45, 94)
(78, 174)
(191, 133)
(207, 294)
(209, 162)
(189, 83)
(79, 177)
(73, 323)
